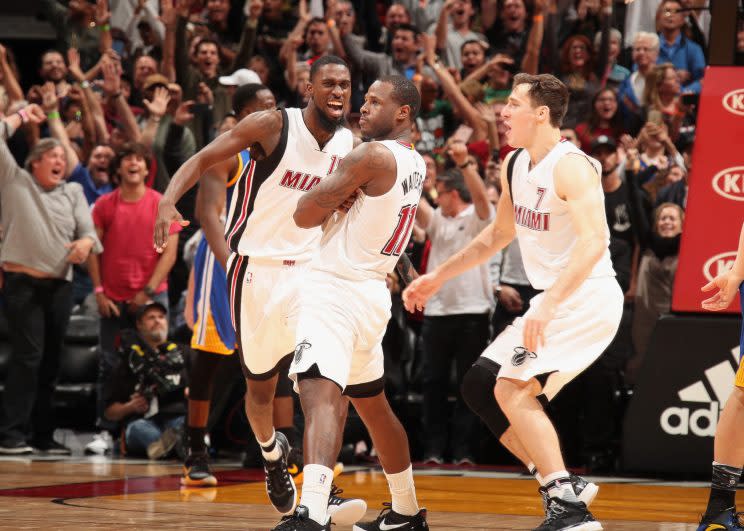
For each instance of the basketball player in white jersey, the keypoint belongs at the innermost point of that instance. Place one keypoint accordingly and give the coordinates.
(345, 306)
(291, 151)
(554, 205)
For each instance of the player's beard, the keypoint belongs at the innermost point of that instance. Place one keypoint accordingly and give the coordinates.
(328, 123)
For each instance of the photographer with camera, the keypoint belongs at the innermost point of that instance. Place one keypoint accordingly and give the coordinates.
(146, 391)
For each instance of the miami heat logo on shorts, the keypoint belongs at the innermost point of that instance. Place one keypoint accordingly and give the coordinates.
(520, 356)
(299, 348)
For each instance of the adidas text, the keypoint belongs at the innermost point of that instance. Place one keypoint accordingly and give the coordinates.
(683, 421)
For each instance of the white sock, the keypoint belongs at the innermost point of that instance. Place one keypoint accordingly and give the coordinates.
(316, 487)
(559, 486)
(403, 491)
(533, 470)
(269, 449)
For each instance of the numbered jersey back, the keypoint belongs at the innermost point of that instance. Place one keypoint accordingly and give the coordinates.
(367, 241)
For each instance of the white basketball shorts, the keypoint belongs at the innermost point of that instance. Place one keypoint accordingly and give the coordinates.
(339, 333)
(263, 299)
(583, 327)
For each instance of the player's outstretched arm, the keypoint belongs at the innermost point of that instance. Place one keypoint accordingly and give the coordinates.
(491, 240)
(256, 128)
(366, 162)
(576, 182)
(727, 283)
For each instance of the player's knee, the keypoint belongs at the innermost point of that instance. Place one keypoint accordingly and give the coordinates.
(259, 393)
(507, 394)
(738, 395)
(477, 389)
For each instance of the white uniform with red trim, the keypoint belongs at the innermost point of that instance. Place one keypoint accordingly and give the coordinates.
(345, 305)
(269, 252)
(586, 322)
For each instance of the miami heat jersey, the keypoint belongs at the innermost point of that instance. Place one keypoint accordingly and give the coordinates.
(544, 227)
(367, 241)
(260, 220)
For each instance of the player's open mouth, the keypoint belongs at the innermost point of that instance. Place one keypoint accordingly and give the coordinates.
(336, 108)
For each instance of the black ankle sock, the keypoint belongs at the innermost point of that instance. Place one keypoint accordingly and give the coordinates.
(196, 439)
(723, 488)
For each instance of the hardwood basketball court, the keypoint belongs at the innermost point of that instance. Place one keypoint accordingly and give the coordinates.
(106, 493)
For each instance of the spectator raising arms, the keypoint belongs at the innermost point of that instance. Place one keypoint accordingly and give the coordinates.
(48, 228)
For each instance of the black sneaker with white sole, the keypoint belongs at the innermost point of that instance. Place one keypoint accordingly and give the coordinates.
(50, 447)
(345, 511)
(300, 521)
(389, 520)
(279, 483)
(14, 447)
(563, 515)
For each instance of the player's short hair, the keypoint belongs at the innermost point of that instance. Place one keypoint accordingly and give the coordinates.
(548, 90)
(453, 179)
(245, 94)
(404, 93)
(326, 60)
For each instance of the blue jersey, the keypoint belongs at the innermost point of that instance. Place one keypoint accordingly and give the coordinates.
(213, 330)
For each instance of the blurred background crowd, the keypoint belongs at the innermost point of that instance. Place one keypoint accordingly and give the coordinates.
(96, 121)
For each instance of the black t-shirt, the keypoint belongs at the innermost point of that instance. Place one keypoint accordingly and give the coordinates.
(618, 211)
(165, 375)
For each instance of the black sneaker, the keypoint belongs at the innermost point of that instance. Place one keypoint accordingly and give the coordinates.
(196, 471)
(562, 514)
(279, 483)
(728, 520)
(300, 521)
(14, 447)
(345, 511)
(51, 447)
(389, 519)
(584, 490)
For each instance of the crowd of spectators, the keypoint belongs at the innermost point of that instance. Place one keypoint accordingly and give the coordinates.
(130, 89)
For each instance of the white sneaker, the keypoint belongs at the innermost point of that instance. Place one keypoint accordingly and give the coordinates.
(101, 444)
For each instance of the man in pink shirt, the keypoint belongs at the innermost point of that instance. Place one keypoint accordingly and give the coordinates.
(129, 273)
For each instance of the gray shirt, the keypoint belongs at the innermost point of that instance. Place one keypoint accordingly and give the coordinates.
(38, 223)
(507, 266)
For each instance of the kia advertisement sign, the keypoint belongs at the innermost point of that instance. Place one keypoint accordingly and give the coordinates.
(687, 376)
(715, 200)
(733, 102)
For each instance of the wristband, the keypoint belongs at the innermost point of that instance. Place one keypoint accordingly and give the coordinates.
(85, 84)
(23, 114)
(52, 115)
(331, 23)
(104, 27)
(98, 289)
(465, 164)
(147, 290)
(537, 18)
(417, 78)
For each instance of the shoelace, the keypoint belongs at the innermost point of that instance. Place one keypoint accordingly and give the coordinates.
(276, 473)
(555, 511)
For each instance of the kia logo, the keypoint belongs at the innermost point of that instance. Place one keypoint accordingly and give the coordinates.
(729, 183)
(718, 264)
(733, 102)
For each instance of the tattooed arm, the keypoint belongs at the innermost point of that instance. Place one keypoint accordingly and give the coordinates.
(405, 270)
(370, 167)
